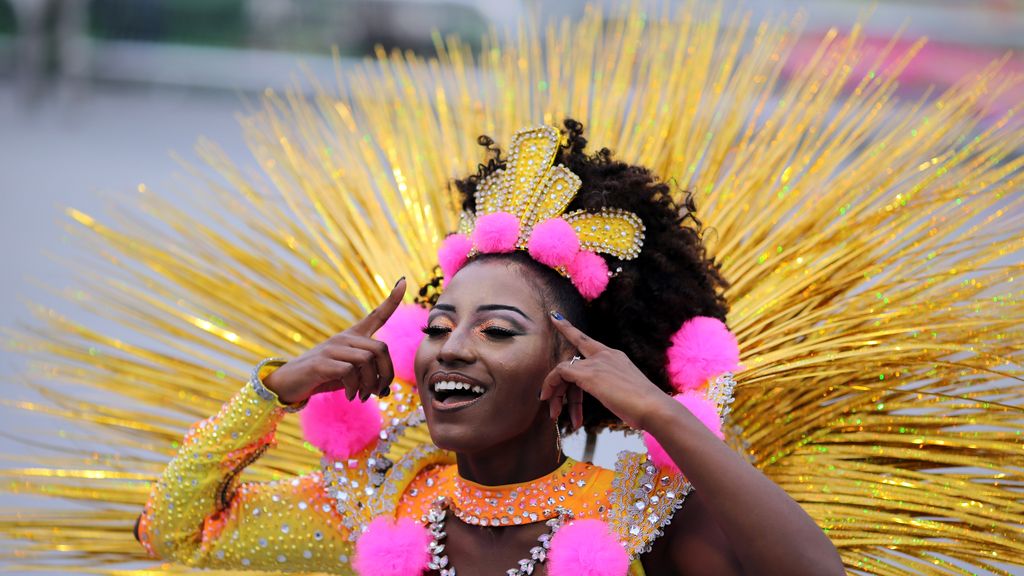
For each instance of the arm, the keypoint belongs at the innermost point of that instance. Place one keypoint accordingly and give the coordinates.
(765, 529)
(195, 518)
(768, 532)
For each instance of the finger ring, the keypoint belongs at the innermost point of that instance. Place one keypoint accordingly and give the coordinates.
(574, 359)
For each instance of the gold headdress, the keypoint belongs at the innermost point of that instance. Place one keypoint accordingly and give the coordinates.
(522, 207)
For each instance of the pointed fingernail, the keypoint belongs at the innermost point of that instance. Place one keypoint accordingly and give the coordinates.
(398, 282)
(557, 315)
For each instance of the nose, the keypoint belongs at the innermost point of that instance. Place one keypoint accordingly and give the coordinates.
(457, 348)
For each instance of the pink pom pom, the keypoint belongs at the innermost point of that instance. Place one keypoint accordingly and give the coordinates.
(657, 454)
(496, 233)
(703, 348)
(703, 409)
(553, 242)
(453, 253)
(403, 333)
(587, 548)
(589, 274)
(389, 548)
(338, 427)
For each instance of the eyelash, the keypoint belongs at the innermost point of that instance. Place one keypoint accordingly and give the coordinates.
(499, 332)
(435, 330)
(492, 331)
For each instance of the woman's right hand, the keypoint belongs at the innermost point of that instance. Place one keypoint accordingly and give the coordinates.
(350, 359)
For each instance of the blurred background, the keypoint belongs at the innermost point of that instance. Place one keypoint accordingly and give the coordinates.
(96, 95)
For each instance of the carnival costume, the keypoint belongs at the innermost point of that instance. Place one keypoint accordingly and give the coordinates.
(871, 250)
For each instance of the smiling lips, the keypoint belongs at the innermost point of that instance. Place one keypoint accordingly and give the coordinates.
(452, 391)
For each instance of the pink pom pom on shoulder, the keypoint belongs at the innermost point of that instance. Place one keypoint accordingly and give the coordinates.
(339, 427)
(703, 348)
(403, 333)
(553, 242)
(703, 409)
(390, 548)
(496, 233)
(453, 253)
(587, 548)
(589, 274)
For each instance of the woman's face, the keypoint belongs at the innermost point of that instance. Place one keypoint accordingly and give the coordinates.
(488, 347)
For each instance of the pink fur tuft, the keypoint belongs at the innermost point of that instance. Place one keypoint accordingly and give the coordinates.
(338, 427)
(703, 348)
(553, 242)
(453, 253)
(496, 233)
(587, 548)
(403, 333)
(589, 274)
(657, 453)
(390, 548)
(703, 409)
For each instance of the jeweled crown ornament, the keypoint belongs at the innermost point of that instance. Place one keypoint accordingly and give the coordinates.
(522, 207)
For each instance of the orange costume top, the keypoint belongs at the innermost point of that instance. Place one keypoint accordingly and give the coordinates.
(199, 515)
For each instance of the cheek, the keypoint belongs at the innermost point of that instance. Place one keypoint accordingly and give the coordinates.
(424, 354)
(527, 368)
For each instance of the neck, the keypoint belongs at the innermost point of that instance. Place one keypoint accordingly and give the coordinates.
(519, 460)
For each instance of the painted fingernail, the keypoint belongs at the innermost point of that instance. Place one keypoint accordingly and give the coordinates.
(557, 315)
(398, 282)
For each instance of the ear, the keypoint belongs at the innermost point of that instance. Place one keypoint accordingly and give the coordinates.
(564, 350)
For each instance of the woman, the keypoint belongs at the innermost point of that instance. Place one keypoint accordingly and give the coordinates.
(531, 336)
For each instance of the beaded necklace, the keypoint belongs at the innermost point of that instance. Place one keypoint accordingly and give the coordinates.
(439, 560)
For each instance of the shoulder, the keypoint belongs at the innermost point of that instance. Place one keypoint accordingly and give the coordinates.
(693, 544)
(660, 518)
(375, 481)
(642, 501)
(427, 483)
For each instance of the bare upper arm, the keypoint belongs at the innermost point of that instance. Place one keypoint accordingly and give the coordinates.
(693, 545)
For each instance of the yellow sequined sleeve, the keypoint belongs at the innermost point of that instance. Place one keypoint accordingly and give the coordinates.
(194, 517)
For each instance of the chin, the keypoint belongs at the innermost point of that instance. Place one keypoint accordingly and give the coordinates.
(460, 430)
(456, 437)
(456, 422)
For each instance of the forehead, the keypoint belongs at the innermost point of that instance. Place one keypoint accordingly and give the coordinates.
(493, 281)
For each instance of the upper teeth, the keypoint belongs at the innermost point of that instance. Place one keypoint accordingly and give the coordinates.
(449, 385)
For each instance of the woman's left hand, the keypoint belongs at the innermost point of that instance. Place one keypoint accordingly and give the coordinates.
(605, 373)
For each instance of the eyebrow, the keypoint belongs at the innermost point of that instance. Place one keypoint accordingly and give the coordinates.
(486, 307)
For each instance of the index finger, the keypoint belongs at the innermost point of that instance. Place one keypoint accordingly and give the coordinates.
(585, 344)
(375, 319)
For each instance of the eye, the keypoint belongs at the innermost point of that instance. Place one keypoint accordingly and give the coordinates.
(432, 330)
(499, 333)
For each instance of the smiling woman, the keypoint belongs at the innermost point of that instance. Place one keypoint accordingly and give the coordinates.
(490, 329)
(568, 292)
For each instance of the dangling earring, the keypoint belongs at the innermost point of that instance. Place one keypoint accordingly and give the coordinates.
(558, 441)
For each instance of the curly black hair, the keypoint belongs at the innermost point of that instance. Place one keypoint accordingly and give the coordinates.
(649, 297)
